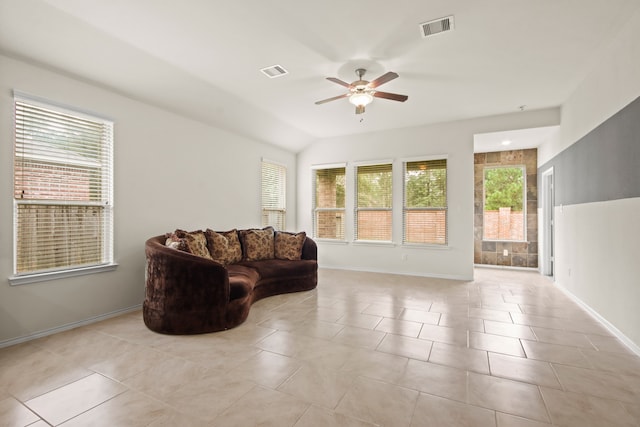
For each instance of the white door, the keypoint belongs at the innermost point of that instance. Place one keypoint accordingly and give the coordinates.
(547, 222)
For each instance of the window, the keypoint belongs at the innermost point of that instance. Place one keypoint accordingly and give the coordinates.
(425, 202)
(504, 203)
(63, 201)
(328, 203)
(374, 202)
(274, 182)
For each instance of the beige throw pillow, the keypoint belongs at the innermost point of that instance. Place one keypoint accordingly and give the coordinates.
(258, 244)
(289, 245)
(224, 246)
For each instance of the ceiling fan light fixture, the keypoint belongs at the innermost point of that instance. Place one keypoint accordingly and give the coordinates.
(360, 99)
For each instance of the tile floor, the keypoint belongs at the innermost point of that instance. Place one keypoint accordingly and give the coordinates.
(363, 349)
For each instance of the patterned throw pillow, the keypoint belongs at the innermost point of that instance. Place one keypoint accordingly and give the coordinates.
(193, 242)
(258, 244)
(289, 245)
(224, 246)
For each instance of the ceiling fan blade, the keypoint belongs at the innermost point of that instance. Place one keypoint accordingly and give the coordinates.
(391, 96)
(383, 79)
(340, 82)
(332, 99)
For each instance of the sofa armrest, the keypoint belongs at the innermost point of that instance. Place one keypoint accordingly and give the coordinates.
(310, 249)
(179, 283)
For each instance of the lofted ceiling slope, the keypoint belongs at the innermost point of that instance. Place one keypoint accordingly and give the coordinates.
(202, 58)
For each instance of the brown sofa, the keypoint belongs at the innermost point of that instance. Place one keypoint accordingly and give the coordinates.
(191, 294)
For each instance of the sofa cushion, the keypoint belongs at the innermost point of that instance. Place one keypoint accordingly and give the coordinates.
(281, 269)
(257, 244)
(193, 242)
(242, 279)
(289, 245)
(224, 246)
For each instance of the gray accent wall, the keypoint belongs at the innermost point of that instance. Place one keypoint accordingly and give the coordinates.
(603, 165)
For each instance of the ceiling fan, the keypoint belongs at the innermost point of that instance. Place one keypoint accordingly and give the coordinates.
(362, 92)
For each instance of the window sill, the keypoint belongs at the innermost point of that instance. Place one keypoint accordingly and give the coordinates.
(425, 246)
(331, 241)
(373, 243)
(504, 241)
(54, 275)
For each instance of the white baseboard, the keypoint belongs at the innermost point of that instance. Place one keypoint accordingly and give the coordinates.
(506, 267)
(68, 326)
(404, 273)
(610, 327)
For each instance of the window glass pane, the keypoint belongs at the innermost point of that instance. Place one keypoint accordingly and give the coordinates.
(426, 184)
(425, 202)
(374, 225)
(426, 226)
(329, 202)
(330, 224)
(45, 231)
(374, 186)
(504, 202)
(274, 180)
(330, 186)
(374, 202)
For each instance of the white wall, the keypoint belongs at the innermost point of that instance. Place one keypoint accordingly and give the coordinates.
(597, 261)
(596, 257)
(455, 140)
(170, 172)
(611, 85)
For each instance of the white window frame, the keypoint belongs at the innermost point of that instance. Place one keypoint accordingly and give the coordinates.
(274, 194)
(406, 209)
(106, 262)
(315, 210)
(357, 209)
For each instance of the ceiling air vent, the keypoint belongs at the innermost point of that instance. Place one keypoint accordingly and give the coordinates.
(274, 71)
(437, 26)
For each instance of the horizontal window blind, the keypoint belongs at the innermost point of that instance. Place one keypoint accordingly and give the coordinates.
(373, 219)
(425, 202)
(274, 182)
(62, 189)
(328, 203)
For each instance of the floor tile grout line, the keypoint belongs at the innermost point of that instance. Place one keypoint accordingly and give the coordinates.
(582, 352)
(546, 406)
(96, 406)
(60, 386)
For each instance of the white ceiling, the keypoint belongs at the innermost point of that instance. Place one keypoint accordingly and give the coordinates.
(519, 139)
(202, 58)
